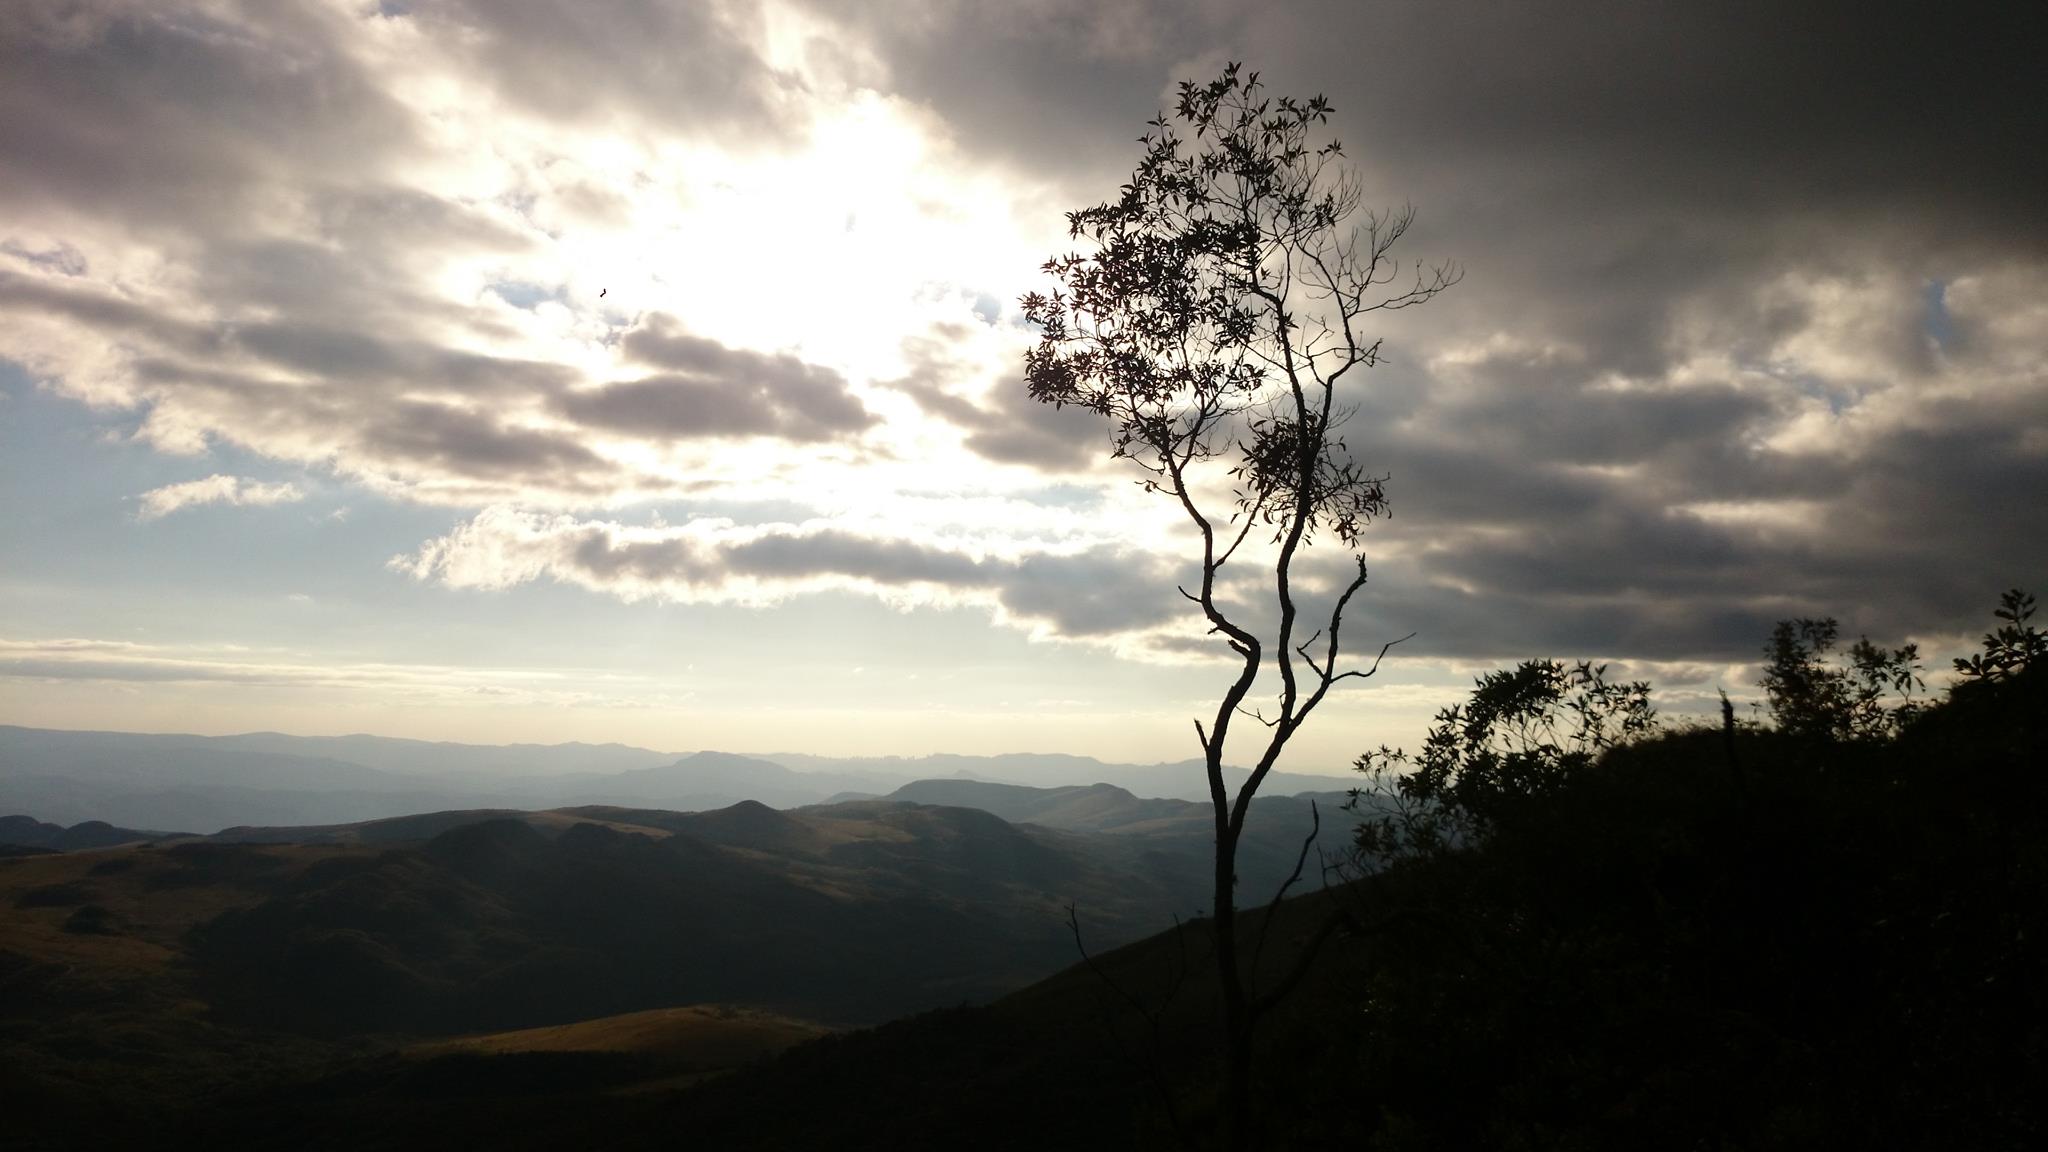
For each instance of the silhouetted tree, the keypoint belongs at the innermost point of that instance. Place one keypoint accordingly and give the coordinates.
(1520, 736)
(1211, 323)
(2013, 648)
(1812, 698)
(1618, 942)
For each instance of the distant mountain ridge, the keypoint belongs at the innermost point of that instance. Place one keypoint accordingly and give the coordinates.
(266, 779)
(1175, 779)
(1099, 807)
(481, 919)
(29, 832)
(443, 758)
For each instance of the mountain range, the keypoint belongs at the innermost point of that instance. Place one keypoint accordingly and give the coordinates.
(1765, 937)
(258, 950)
(208, 783)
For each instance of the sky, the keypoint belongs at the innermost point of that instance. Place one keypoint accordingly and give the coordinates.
(500, 370)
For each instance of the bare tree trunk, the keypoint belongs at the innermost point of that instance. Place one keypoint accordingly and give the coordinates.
(1237, 1007)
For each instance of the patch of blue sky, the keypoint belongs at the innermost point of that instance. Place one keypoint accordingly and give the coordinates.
(736, 510)
(1837, 395)
(80, 561)
(528, 296)
(76, 562)
(1936, 321)
(1078, 497)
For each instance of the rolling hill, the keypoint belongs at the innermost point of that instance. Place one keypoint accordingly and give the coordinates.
(266, 779)
(189, 967)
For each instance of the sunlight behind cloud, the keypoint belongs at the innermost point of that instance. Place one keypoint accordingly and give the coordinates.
(507, 279)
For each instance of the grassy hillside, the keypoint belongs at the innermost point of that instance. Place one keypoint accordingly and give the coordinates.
(670, 1047)
(1743, 939)
(138, 979)
(1757, 942)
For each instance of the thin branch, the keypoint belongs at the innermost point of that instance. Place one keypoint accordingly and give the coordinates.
(1302, 963)
(1151, 1018)
(1251, 516)
(1074, 926)
(1367, 673)
(1343, 920)
(1257, 714)
(1293, 878)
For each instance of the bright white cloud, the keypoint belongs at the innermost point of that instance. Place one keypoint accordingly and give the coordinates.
(215, 489)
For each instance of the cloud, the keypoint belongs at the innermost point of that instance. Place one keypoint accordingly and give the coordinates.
(1710, 365)
(700, 63)
(1009, 427)
(115, 662)
(710, 390)
(184, 112)
(215, 489)
(1103, 594)
(59, 257)
(1752, 327)
(1036, 84)
(201, 242)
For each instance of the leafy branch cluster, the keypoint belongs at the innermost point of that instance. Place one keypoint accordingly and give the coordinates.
(2013, 647)
(1210, 320)
(1218, 309)
(1824, 929)
(1526, 731)
(1523, 733)
(1812, 698)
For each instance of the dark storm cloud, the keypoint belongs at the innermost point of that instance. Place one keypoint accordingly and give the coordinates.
(690, 64)
(1664, 211)
(1687, 228)
(1496, 558)
(1054, 87)
(1588, 162)
(1750, 107)
(1611, 173)
(710, 390)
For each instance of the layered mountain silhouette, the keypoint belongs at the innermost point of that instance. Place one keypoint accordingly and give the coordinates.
(483, 920)
(29, 832)
(142, 970)
(206, 783)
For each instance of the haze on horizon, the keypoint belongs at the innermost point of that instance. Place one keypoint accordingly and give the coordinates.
(650, 372)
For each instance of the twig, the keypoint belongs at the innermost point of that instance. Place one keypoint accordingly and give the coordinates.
(1300, 860)
(1151, 1018)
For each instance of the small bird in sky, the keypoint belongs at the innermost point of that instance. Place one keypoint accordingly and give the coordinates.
(601, 292)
